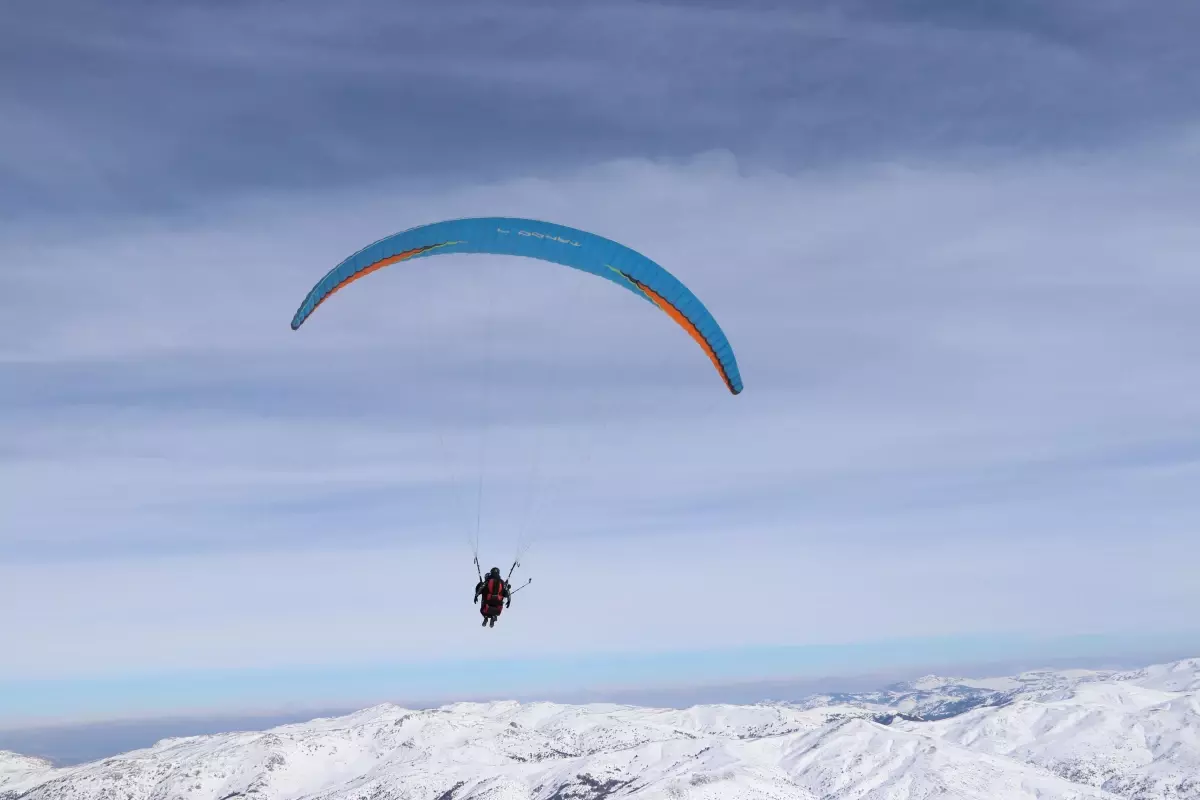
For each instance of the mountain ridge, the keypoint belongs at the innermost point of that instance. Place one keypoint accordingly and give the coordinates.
(1080, 734)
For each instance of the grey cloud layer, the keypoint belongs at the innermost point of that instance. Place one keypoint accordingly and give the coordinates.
(106, 107)
(918, 344)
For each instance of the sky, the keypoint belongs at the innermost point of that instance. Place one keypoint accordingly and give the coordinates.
(952, 244)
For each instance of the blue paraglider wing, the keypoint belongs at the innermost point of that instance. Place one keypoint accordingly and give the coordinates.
(547, 242)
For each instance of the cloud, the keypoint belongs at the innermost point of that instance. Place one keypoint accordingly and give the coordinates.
(970, 407)
(173, 107)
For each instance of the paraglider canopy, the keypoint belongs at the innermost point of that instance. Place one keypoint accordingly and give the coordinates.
(545, 241)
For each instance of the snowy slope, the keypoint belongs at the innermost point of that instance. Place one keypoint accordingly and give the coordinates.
(15, 768)
(1083, 735)
(1180, 676)
(1124, 737)
(934, 697)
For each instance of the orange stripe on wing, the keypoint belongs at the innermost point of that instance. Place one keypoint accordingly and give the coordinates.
(686, 324)
(365, 271)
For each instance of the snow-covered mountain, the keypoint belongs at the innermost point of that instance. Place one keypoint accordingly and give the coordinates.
(934, 698)
(1073, 734)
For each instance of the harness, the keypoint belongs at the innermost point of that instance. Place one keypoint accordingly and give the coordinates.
(493, 591)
